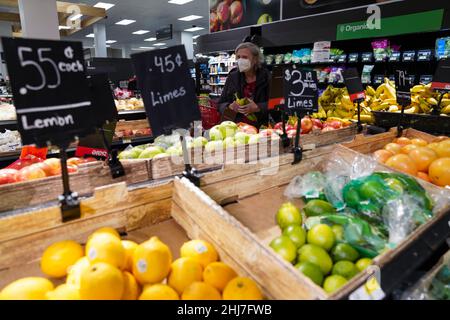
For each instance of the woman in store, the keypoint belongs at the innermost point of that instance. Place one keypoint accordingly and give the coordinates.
(249, 80)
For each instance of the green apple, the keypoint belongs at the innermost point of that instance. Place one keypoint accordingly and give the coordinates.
(214, 145)
(159, 147)
(229, 142)
(161, 155)
(215, 133)
(150, 152)
(130, 154)
(174, 151)
(199, 142)
(228, 129)
(241, 138)
(254, 138)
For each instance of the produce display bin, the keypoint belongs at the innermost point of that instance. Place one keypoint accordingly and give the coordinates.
(252, 197)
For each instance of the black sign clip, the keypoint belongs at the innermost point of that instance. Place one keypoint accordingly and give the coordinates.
(69, 202)
(284, 137)
(189, 172)
(115, 165)
(297, 150)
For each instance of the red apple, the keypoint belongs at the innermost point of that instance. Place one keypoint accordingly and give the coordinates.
(25, 162)
(335, 124)
(31, 173)
(88, 160)
(236, 12)
(223, 11)
(74, 161)
(291, 133)
(55, 165)
(267, 132)
(317, 124)
(278, 126)
(8, 176)
(306, 125)
(46, 168)
(326, 129)
(72, 169)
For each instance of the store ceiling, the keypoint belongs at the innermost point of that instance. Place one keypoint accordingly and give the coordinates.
(149, 15)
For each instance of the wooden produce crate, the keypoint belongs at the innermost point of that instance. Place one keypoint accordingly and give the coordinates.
(252, 198)
(89, 176)
(317, 138)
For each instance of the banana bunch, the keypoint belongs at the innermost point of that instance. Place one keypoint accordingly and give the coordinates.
(383, 98)
(423, 99)
(335, 102)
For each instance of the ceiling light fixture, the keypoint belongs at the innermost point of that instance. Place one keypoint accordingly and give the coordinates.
(193, 29)
(64, 28)
(141, 32)
(104, 5)
(125, 22)
(90, 35)
(111, 41)
(159, 44)
(147, 48)
(150, 39)
(180, 2)
(190, 18)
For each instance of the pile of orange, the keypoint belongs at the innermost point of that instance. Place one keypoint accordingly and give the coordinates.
(417, 157)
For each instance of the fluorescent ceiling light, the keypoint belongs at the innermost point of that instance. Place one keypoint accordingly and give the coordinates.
(90, 35)
(190, 18)
(147, 48)
(64, 28)
(111, 41)
(104, 5)
(180, 2)
(141, 32)
(125, 22)
(159, 44)
(76, 16)
(150, 39)
(195, 37)
(193, 29)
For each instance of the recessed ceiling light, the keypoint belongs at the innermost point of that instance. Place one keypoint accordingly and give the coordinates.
(150, 39)
(195, 37)
(76, 16)
(111, 41)
(180, 2)
(141, 32)
(193, 29)
(104, 5)
(90, 35)
(64, 28)
(190, 18)
(125, 22)
(159, 44)
(147, 48)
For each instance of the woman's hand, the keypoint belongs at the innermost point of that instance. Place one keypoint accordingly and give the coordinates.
(234, 106)
(249, 108)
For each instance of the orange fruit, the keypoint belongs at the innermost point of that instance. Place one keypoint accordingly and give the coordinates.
(382, 155)
(443, 149)
(408, 148)
(403, 163)
(393, 147)
(218, 274)
(419, 142)
(241, 288)
(422, 157)
(403, 141)
(423, 176)
(439, 172)
(440, 138)
(433, 146)
(200, 291)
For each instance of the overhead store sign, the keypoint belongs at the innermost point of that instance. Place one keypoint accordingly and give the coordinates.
(409, 23)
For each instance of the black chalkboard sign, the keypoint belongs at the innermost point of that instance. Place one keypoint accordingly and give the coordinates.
(50, 90)
(167, 89)
(353, 83)
(441, 79)
(300, 91)
(103, 106)
(403, 87)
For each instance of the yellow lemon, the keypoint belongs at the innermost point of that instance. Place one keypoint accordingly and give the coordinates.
(200, 291)
(104, 247)
(151, 261)
(158, 292)
(200, 250)
(129, 247)
(184, 272)
(59, 256)
(31, 288)
(131, 287)
(64, 292)
(101, 281)
(107, 230)
(74, 272)
(241, 288)
(218, 274)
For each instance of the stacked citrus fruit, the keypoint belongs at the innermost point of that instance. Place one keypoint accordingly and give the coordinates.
(110, 268)
(320, 253)
(417, 157)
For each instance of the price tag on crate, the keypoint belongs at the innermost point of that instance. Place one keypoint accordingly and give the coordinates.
(441, 79)
(424, 55)
(300, 91)
(50, 91)
(394, 57)
(354, 84)
(167, 89)
(353, 57)
(403, 87)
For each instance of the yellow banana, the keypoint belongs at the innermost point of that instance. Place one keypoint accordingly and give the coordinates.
(432, 101)
(446, 110)
(425, 108)
(370, 91)
(418, 89)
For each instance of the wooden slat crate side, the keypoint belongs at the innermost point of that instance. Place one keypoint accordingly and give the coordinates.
(320, 139)
(259, 261)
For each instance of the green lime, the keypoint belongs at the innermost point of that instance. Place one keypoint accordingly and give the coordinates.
(333, 283)
(338, 231)
(318, 208)
(288, 214)
(363, 263)
(372, 189)
(346, 269)
(394, 184)
(311, 270)
(316, 255)
(321, 235)
(285, 248)
(344, 251)
(296, 233)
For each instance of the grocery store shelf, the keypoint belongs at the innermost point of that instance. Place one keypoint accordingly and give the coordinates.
(8, 125)
(134, 141)
(217, 84)
(132, 115)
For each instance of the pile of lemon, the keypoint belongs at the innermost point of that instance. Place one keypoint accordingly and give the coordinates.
(110, 268)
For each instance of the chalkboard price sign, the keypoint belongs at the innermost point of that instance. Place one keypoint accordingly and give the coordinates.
(441, 79)
(403, 86)
(300, 91)
(354, 84)
(167, 89)
(50, 91)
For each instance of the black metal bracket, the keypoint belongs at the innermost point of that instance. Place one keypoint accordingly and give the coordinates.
(284, 138)
(297, 150)
(400, 121)
(115, 166)
(360, 127)
(437, 110)
(69, 202)
(189, 172)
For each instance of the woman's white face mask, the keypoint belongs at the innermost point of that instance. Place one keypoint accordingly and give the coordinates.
(244, 64)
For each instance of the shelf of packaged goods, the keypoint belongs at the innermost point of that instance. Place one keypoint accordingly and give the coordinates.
(8, 125)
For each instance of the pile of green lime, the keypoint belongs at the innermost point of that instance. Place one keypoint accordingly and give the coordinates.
(320, 253)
